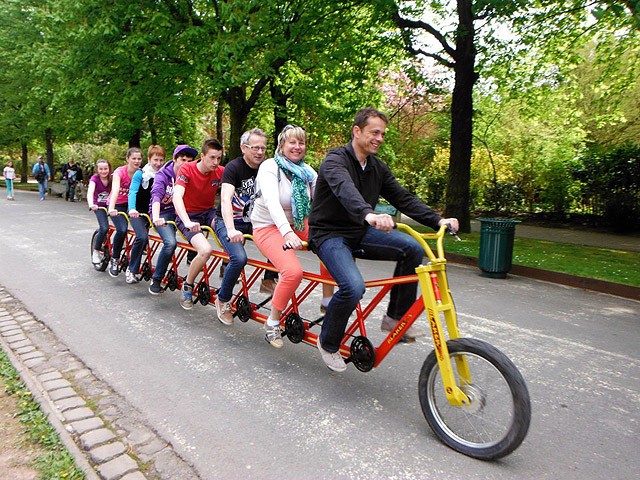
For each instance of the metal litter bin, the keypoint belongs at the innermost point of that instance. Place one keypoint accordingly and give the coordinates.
(496, 246)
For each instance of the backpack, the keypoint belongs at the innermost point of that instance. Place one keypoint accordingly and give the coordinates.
(40, 174)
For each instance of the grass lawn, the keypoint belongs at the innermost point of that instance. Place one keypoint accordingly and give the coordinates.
(32, 186)
(617, 266)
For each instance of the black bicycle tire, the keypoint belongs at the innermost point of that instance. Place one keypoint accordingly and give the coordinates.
(521, 403)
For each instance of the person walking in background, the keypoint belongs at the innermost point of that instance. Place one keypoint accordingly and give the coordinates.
(139, 199)
(194, 196)
(9, 175)
(72, 174)
(163, 211)
(97, 197)
(119, 201)
(343, 224)
(42, 174)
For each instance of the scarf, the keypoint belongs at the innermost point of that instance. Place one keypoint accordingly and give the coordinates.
(147, 174)
(301, 176)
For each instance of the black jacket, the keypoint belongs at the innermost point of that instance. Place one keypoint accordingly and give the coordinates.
(345, 194)
(75, 168)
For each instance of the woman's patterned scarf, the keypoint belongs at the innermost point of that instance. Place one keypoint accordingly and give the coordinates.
(301, 175)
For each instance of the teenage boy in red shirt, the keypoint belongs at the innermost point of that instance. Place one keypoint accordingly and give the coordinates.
(194, 196)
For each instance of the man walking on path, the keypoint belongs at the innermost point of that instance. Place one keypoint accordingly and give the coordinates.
(72, 173)
(42, 174)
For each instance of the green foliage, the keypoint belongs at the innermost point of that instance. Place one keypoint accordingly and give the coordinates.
(156, 71)
(529, 144)
(616, 173)
(606, 91)
(417, 135)
(10, 376)
(536, 131)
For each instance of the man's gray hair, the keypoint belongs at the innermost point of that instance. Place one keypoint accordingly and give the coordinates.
(244, 139)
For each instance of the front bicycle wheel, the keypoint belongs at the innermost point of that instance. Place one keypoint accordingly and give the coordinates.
(496, 421)
(102, 265)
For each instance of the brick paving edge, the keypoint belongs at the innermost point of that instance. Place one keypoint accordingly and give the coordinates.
(67, 410)
(47, 406)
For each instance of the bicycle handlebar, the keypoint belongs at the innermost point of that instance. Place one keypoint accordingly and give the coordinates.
(422, 237)
(305, 245)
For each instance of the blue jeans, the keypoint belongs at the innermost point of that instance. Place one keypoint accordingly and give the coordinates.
(338, 257)
(237, 258)
(169, 243)
(140, 226)
(42, 188)
(70, 192)
(103, 228)
(120, 222)
(9, 184)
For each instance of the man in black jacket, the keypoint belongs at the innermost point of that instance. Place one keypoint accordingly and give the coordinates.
(343, 224)
(72, 173)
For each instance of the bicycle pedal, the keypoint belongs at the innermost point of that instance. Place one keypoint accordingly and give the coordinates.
(406, 339)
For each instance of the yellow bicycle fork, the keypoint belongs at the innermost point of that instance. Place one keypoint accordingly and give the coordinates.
(437, 301)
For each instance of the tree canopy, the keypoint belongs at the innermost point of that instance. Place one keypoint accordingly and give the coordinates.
(516, 74)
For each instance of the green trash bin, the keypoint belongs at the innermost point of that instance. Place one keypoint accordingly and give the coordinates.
(389, 210)
(496, 246)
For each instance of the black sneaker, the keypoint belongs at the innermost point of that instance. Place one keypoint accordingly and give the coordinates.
(155, 288)
(114, 270)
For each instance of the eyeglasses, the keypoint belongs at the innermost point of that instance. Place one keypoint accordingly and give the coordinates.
(256, 148)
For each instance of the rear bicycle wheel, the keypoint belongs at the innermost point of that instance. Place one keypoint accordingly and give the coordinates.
(102, 265)
(496, 421)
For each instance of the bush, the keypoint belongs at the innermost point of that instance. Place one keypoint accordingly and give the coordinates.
(610, 182)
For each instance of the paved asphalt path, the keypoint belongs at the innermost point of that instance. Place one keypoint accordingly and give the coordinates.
(234, 407)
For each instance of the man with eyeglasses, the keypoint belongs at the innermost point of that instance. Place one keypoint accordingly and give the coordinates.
(232, 218)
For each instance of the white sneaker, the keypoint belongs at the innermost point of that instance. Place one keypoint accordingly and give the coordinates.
(97, 256)
(389, 324)
(273, 335)
(333, 361)
(130, 277)
(225, 315)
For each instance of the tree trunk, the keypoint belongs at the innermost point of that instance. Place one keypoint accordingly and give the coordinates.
(219, 122)
(280, 110)
(48, 136)
(238, 113)
(153, 132)
(459, 173)
(24, 176)
(134, 140)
